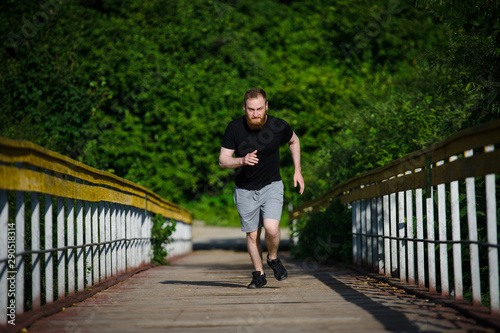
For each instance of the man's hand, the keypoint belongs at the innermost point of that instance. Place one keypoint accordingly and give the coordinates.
(297, 178)
(251, 158)
(227, 161)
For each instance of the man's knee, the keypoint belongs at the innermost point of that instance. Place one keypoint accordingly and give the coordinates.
(272, 227)
(253, 236)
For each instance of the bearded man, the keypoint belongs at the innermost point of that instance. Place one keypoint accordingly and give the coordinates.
(251, 146)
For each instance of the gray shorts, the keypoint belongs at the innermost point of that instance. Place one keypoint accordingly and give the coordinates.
(255, 206)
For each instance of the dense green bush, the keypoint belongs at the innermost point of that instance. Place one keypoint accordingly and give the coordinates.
(325, 236)
(145, 89)
(161, 233)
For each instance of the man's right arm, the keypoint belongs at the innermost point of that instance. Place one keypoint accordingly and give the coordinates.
(227, 161)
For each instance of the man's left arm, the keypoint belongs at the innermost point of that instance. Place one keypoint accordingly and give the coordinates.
(294, 145)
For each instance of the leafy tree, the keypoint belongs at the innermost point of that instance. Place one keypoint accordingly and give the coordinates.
(472, 56)
(145, 89)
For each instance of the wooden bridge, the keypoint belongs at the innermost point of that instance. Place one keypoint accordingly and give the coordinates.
(90, 271)
(206, 292)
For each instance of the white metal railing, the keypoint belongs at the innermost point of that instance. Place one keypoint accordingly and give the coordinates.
(65, 226)
(423, 217)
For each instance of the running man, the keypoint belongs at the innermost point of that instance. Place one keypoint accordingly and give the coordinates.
(251, 146)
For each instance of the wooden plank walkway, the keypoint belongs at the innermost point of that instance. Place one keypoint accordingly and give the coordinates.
(206, 292)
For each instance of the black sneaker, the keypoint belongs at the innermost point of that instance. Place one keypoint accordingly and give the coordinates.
(280, 272)
(258, 281)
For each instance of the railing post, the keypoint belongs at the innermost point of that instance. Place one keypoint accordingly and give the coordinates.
(95, 240)
(88, 240)
(387, 233)
(394, 233)
(20, 230)
(143, 236)
(107, 227)
(118, 235)
(113, 238)
(145, 247)
(491, 227)
(128, 236)
(419, 210)
(359, 240)
(142, 220)
(368, 232)
(102, 238)
(362, 230)
(431, 247)
(36, 293)
(409, 234)
(70, 234)
(402, 229)
(374, 233)
(355, 222)
(380, 239)
(148, 226)
(123, 235)
(138, 247)
(79, 253)
(61, 258)
(455, 231)
(443, 248)
(134, 234)
(473, 237)
(49, 256)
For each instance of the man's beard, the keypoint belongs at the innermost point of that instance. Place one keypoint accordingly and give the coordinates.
(257, 123)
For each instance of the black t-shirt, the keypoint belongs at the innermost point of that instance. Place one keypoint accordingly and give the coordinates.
(266, 141)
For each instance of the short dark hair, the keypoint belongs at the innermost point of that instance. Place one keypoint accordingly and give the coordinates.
(254, 93)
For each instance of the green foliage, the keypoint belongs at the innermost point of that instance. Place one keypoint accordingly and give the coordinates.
(145, 89)
(216, 209)
(472, 55)
(325, 236)
(47, 97)
(160, 236)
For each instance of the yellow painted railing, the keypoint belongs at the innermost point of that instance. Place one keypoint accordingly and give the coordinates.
(84, 227)
(420, 212)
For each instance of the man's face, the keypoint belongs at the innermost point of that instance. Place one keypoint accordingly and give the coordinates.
(255, 112)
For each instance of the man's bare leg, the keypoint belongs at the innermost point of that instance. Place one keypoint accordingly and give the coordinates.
(254, 248)
(272, 242)
(272, 237)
